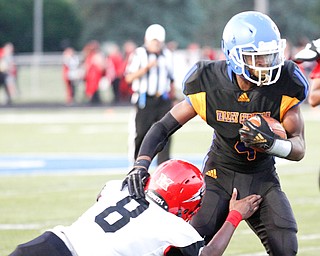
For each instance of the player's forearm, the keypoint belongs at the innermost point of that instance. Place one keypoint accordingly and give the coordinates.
(220, 241)
(298, 149)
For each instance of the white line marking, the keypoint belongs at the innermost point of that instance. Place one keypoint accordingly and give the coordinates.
(19, 226)
(13, 164)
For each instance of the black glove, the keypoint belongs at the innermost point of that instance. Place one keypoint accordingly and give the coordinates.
(137, 179)
(258, 137)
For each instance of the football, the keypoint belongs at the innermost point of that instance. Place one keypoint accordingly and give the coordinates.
(274, 125)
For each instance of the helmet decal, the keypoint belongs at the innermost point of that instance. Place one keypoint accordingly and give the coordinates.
(197, 196)
(164, 182)
(178, 187)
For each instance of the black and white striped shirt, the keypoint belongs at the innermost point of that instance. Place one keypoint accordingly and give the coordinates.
(157, 80)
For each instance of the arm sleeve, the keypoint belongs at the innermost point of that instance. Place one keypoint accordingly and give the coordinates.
(158, 135)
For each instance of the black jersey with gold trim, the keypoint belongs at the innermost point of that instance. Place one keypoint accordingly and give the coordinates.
(211, 89)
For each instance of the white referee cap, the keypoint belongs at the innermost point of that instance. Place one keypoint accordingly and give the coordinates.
(155, 31)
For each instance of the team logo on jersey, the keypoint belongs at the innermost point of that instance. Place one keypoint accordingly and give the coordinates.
(164, 182)
(243, 98)
(212, 173)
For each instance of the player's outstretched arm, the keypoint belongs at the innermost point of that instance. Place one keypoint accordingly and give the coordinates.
(154, 141)
(238, 210)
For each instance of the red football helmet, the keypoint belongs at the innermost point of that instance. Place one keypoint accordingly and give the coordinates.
(178, 187)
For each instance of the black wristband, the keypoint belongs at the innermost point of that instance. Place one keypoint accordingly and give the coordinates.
(142, 163)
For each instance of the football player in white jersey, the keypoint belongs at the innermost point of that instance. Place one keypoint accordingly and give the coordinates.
(118, 224)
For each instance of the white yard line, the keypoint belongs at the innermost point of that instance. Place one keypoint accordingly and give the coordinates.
(20, 226)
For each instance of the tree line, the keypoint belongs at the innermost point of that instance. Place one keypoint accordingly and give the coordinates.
(75, 22)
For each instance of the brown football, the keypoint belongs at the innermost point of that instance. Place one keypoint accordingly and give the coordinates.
(274, 125)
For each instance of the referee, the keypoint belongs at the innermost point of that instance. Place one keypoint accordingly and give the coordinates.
(150, 71)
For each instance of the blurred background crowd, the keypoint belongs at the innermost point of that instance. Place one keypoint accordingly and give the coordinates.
(95, 75)
(75, 51)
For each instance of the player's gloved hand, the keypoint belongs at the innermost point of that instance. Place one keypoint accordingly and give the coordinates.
(137, 179)
(258, 137)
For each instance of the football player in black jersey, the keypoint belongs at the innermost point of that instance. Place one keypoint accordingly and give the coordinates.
(255, 79)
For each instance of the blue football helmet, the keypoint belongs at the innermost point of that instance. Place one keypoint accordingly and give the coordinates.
(253, 47)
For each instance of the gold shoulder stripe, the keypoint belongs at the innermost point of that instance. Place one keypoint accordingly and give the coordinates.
(287, 103)
(198, 101)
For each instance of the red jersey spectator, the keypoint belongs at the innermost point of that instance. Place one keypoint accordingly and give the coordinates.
(115, 62)
(95, 70)
(125, 88)
(8, 71)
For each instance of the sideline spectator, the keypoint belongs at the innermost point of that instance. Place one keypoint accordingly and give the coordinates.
(150, 70)
(193, 53)
(208, 53)
(8, 72)
(72, 73)
(125, 88)
(94, 71)
(115, 64)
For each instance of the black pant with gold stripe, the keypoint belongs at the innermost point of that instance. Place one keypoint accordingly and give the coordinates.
(273, 223)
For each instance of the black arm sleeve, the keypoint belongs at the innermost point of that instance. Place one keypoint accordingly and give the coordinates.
(158, 135)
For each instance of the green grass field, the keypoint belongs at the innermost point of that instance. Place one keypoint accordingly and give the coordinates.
(29, 204)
